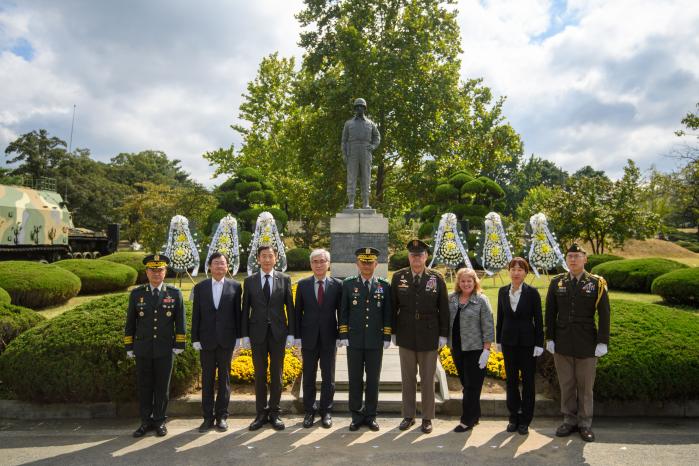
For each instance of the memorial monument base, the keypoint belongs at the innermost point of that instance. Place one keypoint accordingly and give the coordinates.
(352, 229)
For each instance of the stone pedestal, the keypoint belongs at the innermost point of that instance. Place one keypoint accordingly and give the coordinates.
(352, 229)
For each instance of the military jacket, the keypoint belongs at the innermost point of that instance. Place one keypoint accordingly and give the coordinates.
(570, 314)
(155, 325)
(365, 315)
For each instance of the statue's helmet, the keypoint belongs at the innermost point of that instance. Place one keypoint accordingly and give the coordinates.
(360, 101)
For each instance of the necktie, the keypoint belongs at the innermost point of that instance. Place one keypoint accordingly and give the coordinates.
(156, 293)
(321, 292)
(416, 280)
(575, 283)
(266, 288)
(366, 285)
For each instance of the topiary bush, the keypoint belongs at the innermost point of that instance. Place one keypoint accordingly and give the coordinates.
(15, 320)
(79, 356)
(100, 276)
(133, 259)
(36, 285)
(4, 297)
(298, 259)
(679, 287)
(594, 260)
(635, 274)
(399, 260)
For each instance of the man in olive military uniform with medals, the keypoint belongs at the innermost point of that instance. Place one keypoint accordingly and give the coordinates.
(574, 340)
(365, 328)
(155, 331)
(421, 324)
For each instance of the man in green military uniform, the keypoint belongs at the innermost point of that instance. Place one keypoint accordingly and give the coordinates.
(365, 328)
(155, 330)
(574, 340)
(421, 324)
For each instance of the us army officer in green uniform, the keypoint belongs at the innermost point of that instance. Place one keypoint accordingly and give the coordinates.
(420, 304)
(155, 330)
(576, 343)
(365, 328)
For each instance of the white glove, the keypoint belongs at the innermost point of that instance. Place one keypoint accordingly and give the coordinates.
(498, 348)
(130, 355)
(442, 342)
(344, 342)
(337, 343)
(600, 350)
(297, 343)
(538, 351)
(289, 341)
(393, 340)
(245, 342)
(236, 345)
(177, 350)
(196, 345)
(551, 347)
(386, 344)
(483, 360)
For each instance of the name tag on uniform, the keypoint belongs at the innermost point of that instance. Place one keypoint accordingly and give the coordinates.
(168, 300)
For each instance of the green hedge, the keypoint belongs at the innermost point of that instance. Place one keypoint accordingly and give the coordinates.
(679, 287)
(15, 320)
(133, 259)
(653, 355)
(594, 260)
(297, 259)
(635, 274)
(399, 260)
(100, 276)
(79, 356)
(36, 285)
(4, 297)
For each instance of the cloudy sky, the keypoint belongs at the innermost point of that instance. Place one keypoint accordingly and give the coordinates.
(587, 82)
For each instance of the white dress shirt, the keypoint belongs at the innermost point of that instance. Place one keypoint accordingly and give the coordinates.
(217, 290)
(514, 297)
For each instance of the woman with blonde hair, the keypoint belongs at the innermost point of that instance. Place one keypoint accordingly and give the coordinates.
(471, 333)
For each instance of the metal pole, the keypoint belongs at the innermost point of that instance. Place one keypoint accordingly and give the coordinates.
(72, 124)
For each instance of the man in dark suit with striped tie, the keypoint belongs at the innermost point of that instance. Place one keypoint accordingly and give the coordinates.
(317, 313)
(215, 334)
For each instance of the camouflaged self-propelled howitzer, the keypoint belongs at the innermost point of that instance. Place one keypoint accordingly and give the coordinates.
(37, 225)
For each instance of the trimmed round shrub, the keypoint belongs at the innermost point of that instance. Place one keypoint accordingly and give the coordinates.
(398, 260)
(245, 187)
(459, 178)
(298, 259)
(36, 285)
(594, 260)
(100, 276)
(428, 212)
(4, 297)
(133, 259)
(472, 187)
(652, 355)
(79, 356)
(635, 274)
(446, 191)
(15, 320)
(679, 287)
(425, 230)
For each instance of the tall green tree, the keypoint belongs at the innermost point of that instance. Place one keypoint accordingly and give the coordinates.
(151, 166)
(37, 151)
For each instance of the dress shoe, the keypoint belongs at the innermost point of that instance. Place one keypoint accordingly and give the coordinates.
(587, 434)
(511, 427)
(462, 428)
(523, 429)
(373, 425)
(426, 426)
(277, 423)
(161, 430)
(327, 420)
(141, 431)
(222, 425)
(565, 430)
(259, 421)
(406, 423)
(206, 425)
(354, 426)
(308, 420)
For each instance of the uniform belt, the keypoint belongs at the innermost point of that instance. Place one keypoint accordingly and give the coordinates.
(424, 316)
(581, 320)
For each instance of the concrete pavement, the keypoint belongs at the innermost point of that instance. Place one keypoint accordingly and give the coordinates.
(108, 441)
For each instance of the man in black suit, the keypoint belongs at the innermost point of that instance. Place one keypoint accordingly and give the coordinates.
(267, 325)
(215, 334)
(317, 313)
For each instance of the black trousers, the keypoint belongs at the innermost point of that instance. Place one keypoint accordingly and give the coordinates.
(153, 377)
(219, 358)
(260, 352)
(471, 377)
(359, 362)
(311, 358)
(520, 359)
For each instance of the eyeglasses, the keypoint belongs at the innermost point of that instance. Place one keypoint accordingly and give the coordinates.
(320, 261)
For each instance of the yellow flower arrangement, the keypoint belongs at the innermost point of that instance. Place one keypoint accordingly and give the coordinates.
(242, 370)
(494, 368)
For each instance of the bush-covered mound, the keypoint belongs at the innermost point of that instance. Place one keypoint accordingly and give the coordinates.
(4, 297)
(653, 355)
(635, 274)
(79, 356)
(679, 287)
(298, 259)
(36, 285)
(15, 320)
(100, 276)
(133, 259)
(594, 260)
(242, 370)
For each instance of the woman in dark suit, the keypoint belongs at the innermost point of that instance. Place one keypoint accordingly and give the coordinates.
(520, 334)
